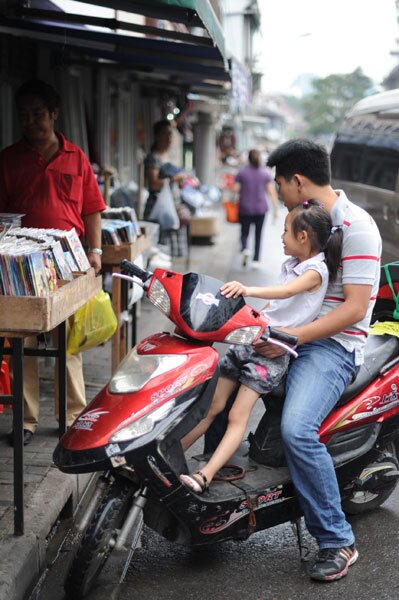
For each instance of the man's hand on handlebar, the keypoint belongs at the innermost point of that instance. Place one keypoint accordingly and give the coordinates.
(268, 350)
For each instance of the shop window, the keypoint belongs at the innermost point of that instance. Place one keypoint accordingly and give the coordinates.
(381, 168)
(347, 161)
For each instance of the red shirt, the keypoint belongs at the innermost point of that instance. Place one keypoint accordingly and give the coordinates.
(55, 194)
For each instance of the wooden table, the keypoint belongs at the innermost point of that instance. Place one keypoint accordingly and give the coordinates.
(111, 258)
(23, 316)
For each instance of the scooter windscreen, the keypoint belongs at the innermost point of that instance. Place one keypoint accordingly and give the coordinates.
(202, 306)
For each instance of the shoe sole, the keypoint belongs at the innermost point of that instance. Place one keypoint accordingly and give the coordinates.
(341, 574)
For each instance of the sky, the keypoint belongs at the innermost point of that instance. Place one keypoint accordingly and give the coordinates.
(322, 37)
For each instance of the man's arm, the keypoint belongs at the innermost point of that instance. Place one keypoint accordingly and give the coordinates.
(352, 310)
(92, 225)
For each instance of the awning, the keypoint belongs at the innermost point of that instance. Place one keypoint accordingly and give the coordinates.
(193, 13)
(201, 8)
(178, 57)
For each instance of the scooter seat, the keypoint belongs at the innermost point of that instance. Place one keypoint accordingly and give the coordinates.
(379, 350)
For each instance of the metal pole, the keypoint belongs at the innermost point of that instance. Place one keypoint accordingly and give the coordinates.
(62, 381)
(18, 428)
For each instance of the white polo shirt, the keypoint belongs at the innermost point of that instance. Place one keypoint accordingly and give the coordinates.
(304, 307)
(360, 264)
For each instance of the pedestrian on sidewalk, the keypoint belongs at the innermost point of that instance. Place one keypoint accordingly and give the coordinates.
(255, 189)
(315, 256)
(51, 182)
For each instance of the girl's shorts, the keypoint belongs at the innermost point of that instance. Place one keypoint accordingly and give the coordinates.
(243, 364)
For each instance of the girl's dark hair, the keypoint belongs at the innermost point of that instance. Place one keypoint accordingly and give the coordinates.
(323, 237)
(254, 158)
(39, 89)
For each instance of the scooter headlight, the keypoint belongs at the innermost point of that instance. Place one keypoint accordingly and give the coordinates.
(144, 425)
(137, 369)
(159, 297)
(244, 335)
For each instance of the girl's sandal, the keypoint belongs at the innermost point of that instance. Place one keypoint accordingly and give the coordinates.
(193, 482)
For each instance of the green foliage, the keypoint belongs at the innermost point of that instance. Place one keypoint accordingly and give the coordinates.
(325, 107)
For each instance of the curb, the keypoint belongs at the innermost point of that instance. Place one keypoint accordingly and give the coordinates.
(23, 558)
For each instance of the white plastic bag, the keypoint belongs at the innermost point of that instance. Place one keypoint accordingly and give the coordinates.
(164, 210)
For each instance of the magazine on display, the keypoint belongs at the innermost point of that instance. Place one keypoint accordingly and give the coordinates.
(32, 260)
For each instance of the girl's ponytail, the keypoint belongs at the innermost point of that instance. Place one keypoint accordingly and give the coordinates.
(313, 218)
(333, 252)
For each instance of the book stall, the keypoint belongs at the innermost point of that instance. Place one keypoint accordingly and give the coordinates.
(122, 238)
(44, 278)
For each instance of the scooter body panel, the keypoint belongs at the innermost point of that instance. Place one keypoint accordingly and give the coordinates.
(107, 413)
(205, 314)
(377, 403)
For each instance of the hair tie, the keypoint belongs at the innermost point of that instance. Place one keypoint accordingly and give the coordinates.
(305, 204)
(334, 228)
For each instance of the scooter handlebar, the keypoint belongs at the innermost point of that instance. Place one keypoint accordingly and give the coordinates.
(279, 338)
(130, 268)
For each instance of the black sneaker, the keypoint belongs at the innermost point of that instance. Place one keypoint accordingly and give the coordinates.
(333, 563)
(28, 435)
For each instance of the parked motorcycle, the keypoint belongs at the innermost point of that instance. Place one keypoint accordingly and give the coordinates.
(132, 430)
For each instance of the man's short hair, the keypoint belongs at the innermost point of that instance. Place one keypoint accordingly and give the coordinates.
(304, 157)
(37, 88)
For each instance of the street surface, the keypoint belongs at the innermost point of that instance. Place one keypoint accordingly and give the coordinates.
(266, 566)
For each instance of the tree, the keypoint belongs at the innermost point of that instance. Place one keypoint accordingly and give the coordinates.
(325, 107)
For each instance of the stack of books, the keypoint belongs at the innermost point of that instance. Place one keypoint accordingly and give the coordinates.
(116, 232)
(33, 260)
(119, 226)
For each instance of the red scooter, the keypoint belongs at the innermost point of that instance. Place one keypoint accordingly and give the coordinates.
(132, 430)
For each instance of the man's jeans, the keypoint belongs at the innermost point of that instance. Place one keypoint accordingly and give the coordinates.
(315, 382)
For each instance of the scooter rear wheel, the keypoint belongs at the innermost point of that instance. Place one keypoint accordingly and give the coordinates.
(364, 501)
(98, 540)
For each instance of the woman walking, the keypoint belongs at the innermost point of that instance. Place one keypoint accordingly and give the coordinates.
(255, 187)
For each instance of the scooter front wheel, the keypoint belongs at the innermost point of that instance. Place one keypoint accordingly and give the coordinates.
(98, 540)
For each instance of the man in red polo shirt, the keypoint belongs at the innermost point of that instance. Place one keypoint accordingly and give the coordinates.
(51, 182)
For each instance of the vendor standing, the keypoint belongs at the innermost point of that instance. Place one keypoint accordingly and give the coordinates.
(51, 182)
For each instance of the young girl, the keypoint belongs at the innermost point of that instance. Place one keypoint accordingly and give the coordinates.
(315, 250)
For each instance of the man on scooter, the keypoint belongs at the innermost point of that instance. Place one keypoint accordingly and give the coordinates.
(330, 351)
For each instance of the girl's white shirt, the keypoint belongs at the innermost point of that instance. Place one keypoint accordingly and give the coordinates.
(304, 307)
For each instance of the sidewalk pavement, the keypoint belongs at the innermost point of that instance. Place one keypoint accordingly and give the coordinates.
(50, 494)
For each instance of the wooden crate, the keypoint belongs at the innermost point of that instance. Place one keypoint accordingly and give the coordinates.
(30, 314)
(112, 255)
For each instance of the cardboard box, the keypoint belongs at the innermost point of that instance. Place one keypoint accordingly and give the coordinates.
(31, 314)
(205, 226)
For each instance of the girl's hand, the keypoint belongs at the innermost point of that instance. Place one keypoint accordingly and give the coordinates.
(233, 289)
